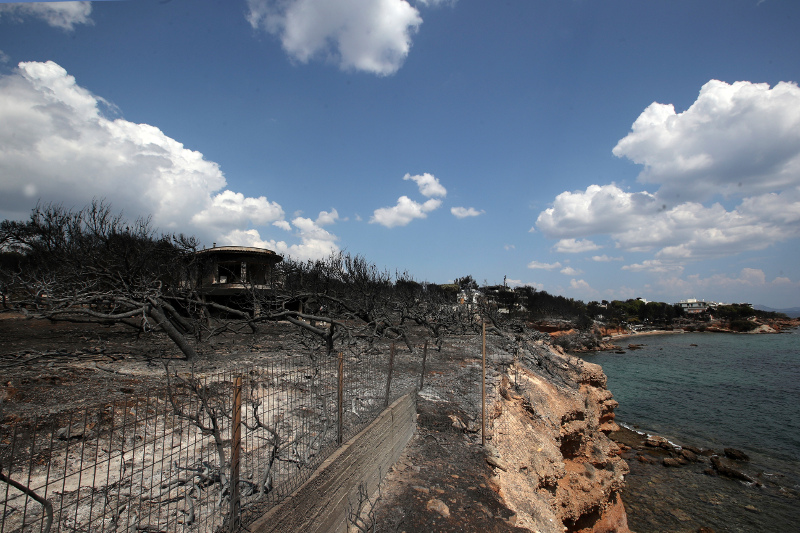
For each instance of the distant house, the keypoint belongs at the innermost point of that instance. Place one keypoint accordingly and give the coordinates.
(470, 297)
(693, 306)
(228, 274)
(503, 298)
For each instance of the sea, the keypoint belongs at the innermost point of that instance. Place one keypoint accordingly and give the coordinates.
(712, 390)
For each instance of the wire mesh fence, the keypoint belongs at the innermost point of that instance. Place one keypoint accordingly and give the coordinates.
(208, 452)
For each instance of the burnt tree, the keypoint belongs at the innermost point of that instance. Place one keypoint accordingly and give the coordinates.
(91, 265)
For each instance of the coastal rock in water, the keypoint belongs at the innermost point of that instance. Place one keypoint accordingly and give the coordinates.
(655, 441)
(694, 450)
(736, 455)
(725, 468)
(689, 455)
(673, 461)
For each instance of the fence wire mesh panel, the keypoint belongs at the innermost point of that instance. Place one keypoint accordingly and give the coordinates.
(503, 426)
(165, 460)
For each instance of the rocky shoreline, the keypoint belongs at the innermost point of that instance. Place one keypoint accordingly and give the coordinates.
(678, 488)
(654, 449)
(602, 338)
(715, 392)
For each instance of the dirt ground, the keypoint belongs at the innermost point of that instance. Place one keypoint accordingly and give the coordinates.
(441, 483)
(47, 367)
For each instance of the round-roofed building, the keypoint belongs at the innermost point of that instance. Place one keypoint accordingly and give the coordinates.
(231, 274)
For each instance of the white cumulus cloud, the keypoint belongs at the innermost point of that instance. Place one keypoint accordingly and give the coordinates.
(544, 266)
(569, 271)
(327, 218)
(230, 209)
(597, 210)
(428, 185)
(574, 246)
(64, 15)
(315, 241)
(368, 35)
(738, 143)
(404, 212)
(407, 209)
(464, 212)
(639, 222)
(57, 145)
(581, 285)
(736, 139)
(653, 265)
(605, 258)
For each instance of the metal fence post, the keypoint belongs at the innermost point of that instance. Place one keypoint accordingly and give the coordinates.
(340, 398)
(424, 357)
(483, 388)
(236, 445)
(389, 377)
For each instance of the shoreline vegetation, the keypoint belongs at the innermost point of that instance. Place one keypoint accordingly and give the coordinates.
(569, 338)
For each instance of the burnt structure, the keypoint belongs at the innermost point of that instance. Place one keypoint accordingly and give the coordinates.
(232, 275)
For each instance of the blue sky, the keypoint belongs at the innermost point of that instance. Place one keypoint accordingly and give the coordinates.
(595, 149)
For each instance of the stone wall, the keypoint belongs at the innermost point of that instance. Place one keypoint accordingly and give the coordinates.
(321, 504)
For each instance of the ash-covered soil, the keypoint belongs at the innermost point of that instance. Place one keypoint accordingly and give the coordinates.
(441, 483)
(443, 480)
(48, 367)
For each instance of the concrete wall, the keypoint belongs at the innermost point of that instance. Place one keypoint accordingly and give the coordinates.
(320, 505)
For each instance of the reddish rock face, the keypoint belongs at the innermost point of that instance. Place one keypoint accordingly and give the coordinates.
(568, 473)
(613, 519)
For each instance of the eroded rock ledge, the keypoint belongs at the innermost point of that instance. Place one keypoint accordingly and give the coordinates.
(562, 472)
(548, 465)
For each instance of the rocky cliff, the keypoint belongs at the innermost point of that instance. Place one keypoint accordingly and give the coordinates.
(558, 470)
(547, 464)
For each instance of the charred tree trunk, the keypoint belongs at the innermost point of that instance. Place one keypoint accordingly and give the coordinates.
(180, 341)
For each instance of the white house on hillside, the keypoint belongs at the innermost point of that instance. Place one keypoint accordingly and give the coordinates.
(693, 306)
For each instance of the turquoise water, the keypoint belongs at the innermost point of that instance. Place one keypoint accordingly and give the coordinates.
(712, 390)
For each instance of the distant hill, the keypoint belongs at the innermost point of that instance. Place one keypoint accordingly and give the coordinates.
(792, 312)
